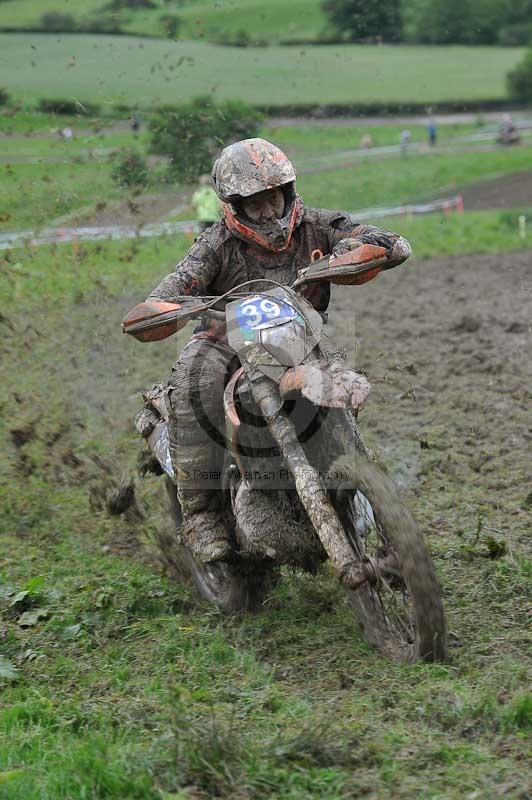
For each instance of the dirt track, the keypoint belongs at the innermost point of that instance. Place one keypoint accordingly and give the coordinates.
(512, 191)
(447, 345)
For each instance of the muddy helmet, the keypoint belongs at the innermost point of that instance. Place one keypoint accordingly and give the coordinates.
(247, 168)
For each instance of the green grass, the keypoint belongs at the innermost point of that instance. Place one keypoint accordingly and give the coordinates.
(270, 22)
(460, 234)
(88, 146)
(129, 687)
(301, 19)
(35, 133)
(394, 181)
(312, 140)
(35, 194)
(107, 70)
(26, 123)
(104, 267)
(27, 134)
(27, 13)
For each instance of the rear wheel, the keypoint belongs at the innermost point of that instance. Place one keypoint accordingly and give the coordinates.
(232, 586)
(400, 606)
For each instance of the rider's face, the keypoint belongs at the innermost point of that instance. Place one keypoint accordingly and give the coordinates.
(264, 206)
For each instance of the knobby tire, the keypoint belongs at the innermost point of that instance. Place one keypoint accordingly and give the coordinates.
(417, 630)
(232, 586)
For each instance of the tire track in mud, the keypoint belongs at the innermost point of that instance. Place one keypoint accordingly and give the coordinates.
(447, 346)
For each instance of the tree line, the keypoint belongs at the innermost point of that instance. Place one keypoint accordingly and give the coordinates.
(469, 22)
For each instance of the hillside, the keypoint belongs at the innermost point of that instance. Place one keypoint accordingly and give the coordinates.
(131, 70)
(274, 21)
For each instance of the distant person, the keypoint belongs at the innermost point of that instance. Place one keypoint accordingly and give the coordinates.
(432, 131)
(66, 134)
(135, 123)
(508, 123)
(406, 138)
(206, 204)
(508, 133)
(366, 142)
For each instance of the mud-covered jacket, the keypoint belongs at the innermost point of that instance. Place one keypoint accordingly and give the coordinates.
(218, 261)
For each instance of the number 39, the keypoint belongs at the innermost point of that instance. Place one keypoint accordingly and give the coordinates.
(255, 315)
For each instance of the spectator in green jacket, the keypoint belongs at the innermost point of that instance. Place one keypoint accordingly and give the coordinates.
(206, 204)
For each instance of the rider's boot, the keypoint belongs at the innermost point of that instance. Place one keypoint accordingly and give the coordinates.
(204, 529)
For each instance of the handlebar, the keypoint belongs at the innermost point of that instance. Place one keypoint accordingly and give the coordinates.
(157, 319)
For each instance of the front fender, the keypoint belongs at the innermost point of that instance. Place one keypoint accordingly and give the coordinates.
(333, 385)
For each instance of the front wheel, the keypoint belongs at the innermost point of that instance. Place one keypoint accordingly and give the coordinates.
(232, 586)
(400, 606)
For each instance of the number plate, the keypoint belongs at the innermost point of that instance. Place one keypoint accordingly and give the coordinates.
(259, 312)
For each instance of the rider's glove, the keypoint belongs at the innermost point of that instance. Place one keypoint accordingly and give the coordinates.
(345, 246)
(398, 248)
(401, 250)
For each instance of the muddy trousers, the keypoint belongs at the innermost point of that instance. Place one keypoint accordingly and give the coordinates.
(197, 429)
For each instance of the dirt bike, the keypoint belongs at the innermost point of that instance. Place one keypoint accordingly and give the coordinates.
(299, 486)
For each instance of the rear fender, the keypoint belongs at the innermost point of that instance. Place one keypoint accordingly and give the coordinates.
(331, 385)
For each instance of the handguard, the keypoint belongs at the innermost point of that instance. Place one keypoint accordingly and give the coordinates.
(156, 319)
(350, 269)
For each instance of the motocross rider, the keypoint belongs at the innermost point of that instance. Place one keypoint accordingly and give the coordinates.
(266, 233)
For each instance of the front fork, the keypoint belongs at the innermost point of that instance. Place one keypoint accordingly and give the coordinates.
(308, 485)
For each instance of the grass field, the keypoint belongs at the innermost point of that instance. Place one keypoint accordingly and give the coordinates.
(35, 194)
(461, 234)
(39, 193)
(299, 19)
(31, 129)
(146, 72)
(396, 180)
(267, 22)
(311, 141)
(27, 13)
(36, 135)
(46, 143)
